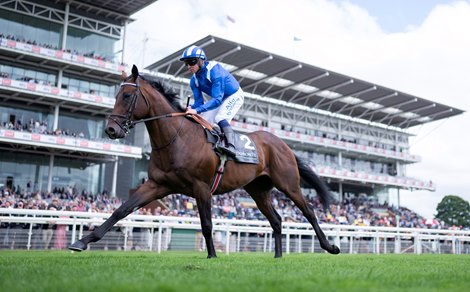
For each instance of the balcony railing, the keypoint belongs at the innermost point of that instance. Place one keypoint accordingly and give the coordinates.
(70, 143)
(62, 56)
(54, 92)
(326, 142)
(374, 178)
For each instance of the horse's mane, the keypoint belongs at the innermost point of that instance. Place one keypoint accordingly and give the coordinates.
(166, 90)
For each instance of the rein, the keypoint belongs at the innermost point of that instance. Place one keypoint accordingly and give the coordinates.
(198, 118)
(158, 117)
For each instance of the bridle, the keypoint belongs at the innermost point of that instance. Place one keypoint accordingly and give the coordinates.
(126, 123)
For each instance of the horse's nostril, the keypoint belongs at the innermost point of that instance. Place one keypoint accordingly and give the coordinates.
(110, 131)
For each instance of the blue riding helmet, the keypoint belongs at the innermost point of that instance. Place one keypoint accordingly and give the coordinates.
(193, 52)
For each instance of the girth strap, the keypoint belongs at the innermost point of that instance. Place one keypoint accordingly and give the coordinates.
(219, 173)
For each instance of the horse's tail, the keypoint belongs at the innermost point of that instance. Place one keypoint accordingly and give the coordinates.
(313, 180)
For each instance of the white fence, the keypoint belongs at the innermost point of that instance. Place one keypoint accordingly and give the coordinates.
(24, 229)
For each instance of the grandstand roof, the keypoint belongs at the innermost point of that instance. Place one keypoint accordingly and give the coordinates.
(116, 9)
(265, 74)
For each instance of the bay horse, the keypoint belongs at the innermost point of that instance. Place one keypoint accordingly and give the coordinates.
(183, 162)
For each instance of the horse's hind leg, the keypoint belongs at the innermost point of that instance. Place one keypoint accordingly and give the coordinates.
(299, 200)
(260, 191)
(287, 180)
(142, 197)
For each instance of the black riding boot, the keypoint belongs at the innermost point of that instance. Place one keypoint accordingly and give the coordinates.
(229, 146)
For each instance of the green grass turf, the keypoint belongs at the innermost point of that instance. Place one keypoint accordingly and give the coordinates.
(191, 271)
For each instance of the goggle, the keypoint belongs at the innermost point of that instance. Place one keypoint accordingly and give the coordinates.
(190, 62)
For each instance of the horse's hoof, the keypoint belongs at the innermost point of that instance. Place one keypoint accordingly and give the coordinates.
(334, 249)
(211, 256)
(78, 246)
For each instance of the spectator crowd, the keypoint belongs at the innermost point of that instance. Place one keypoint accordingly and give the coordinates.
(359, 211)
(234, 205)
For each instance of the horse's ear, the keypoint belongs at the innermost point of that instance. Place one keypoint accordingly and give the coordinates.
(135, 72)
(123, 75)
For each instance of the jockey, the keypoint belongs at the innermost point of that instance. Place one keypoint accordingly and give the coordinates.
(226, 96)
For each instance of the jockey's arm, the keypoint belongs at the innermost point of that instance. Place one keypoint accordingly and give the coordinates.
(197, 94)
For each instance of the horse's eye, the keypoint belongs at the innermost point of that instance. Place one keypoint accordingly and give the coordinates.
(126, 95)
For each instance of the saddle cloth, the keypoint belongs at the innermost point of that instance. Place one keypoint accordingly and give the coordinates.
(245, 149)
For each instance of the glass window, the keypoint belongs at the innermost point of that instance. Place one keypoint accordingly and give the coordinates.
(76, 126)
(51, 79)
(26, 117)
(81, 175)
(75, 84)
(92, 45)
(106, 90)
(40, 76)
(30, 29)
(18, 73)
(18, 169)
(6, 70)
(95, 87)
(65, 83)
(30, 74)
(84, 86)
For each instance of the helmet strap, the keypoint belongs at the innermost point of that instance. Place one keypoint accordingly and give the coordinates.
(199, 64)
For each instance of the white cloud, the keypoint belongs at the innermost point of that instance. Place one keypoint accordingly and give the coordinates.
(430, 61)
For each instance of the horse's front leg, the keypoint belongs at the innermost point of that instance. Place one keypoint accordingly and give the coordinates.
(205, 214)
(144, 195)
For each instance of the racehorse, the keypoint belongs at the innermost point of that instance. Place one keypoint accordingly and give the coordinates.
(183, 162)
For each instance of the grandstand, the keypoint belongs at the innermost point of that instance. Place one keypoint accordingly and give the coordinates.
(53, 115)
(60, 64)
(354, 132)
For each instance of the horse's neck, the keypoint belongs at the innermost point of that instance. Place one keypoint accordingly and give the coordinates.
(174, 144)
(166, 131)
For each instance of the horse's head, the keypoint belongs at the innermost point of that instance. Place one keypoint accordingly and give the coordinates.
(130, 106)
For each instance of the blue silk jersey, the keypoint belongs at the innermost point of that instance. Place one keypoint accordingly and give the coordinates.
(214, 81)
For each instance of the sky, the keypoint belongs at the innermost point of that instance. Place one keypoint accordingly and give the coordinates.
(419, 47)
